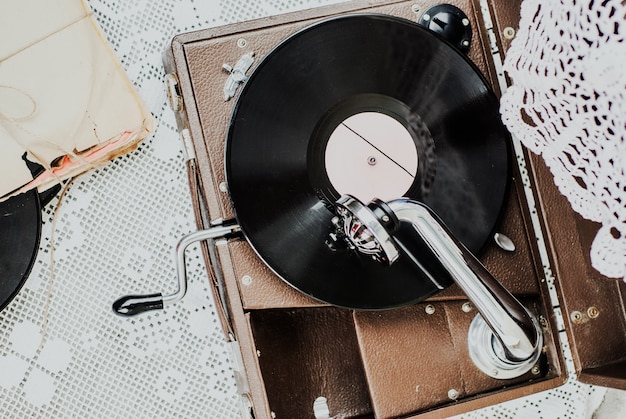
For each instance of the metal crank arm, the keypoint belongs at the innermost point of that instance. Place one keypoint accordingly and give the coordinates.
(505, 339)
(131, 305)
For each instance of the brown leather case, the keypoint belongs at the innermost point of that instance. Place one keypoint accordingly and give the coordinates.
(406, 362)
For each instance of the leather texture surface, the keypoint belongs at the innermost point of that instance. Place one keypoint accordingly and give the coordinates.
(409, 357)
(260, 288)
(308, 353)
(504, 19)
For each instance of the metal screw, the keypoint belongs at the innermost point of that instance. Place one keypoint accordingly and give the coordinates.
(385, 218)
(371, 160)
(535, 370)
(494, 372)
(465, 43)
(466, 307)
(246, 280)
(593, 312)
(465, 21)
(453, 394)
(576, 316)
(543, 322)
(430, 309)
(242, 43)
(504, 242)
(223, 187)
(426, 16)
(415, 8)
(273, 414)
(508, 32)
(258, 353)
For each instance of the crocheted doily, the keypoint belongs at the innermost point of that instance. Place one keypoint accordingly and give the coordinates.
(567, 103)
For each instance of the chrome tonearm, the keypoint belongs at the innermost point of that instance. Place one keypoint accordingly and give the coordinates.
(505, 339)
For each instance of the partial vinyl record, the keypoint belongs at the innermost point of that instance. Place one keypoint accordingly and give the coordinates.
(20, 230)
(376, 107)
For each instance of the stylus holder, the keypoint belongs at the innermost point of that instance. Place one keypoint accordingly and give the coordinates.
(504, 339)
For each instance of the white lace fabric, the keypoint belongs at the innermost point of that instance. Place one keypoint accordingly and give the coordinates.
(567, 103)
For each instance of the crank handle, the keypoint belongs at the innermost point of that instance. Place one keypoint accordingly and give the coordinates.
(131, 305)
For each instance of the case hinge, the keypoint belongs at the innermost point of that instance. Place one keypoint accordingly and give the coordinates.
(188, 151)
(245, 402)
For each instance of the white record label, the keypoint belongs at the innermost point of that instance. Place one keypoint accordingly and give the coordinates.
(371, 155)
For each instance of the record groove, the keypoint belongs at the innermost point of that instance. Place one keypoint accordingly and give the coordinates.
(295, 99)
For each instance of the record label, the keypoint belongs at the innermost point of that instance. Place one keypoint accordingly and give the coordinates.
(371, 155)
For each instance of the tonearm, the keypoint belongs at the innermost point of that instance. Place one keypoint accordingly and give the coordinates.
(504, 339)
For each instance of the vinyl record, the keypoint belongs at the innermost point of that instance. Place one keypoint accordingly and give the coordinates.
(374, 106)
(20, 230)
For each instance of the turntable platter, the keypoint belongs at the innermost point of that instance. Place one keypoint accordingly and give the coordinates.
(375, 106)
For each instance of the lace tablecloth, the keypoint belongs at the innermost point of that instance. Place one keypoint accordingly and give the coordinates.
(115, 234)
(568, 103)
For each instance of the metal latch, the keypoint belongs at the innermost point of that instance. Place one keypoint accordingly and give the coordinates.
(173, 92)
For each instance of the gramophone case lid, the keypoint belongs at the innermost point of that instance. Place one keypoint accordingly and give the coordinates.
(591, 304)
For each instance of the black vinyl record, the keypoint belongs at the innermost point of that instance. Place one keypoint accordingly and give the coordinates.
(306, 89)
(20, 231)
